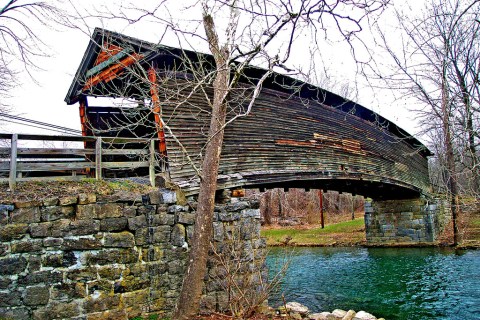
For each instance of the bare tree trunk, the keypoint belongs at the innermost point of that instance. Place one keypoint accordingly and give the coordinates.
(450, 160)
(189, 300)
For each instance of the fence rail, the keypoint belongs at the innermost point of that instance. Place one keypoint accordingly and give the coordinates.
(51, 163)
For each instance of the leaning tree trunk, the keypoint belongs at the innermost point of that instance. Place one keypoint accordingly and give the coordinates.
(189, 300)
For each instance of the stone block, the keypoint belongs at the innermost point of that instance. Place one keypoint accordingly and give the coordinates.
(110, 272)
(68, 201)
(44, 277)
(168, 196)
(218, 233)
(25, 215)
(27, 204)
(83, 274)
(26, 246)
(38, 295)
(109, 210)
(129, 211)
(251, 213)
(10, 298)
(176, 208)
(228, 216)
(119, 240)
(131, 283)
(60, 228)
(185, 218)
(178, 235)
(57, 310)
(146, 210)
(56, 212)
(64, 259)
(111, 256)
(34, 263)
(12, 265)
(10, 232)
(82, 243)
(161, 234)
(14, 313)
(84, 227)
(40, 230)
(155, 197)
(5, 283)
(86, 211)
(113, 224)
(68, 291)
(237, 206)
(48, 202)
(163, 219)
(137, 223)
(87, 198)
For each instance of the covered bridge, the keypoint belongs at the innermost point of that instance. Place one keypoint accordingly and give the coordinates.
(297, 135)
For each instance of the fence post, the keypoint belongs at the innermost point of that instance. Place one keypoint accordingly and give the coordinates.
(151, 168)
(13, 162)
(98, 158)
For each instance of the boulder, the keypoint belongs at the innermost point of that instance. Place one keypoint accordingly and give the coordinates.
(321, 316)
(339, 313)
(362, 315)
(297, 308)
(350, 315)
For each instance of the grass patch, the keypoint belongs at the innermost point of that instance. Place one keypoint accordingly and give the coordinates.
(344, 233)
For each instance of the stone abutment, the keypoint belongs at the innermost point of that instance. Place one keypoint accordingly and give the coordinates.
(119, 256)
(405, 221)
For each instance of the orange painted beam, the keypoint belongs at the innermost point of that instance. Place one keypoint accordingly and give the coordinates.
(112, 72)
(157, 110)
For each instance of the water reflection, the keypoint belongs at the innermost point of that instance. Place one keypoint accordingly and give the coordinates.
(393, 283)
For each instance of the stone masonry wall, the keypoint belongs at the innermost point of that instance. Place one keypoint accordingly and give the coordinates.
(405, 221)
(113, 257)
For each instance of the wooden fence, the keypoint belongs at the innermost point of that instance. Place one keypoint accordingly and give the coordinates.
(50, 163)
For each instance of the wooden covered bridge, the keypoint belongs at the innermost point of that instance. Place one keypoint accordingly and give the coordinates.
(297, 135)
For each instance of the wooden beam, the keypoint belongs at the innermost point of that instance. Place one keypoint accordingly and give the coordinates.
(157, 111)
(13, 162)
(113, 71)
(151, 168)
(98, 159)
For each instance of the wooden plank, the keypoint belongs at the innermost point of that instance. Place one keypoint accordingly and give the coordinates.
(98, 158)
(125, 165)
(13, 162)
(151, 167)
(53, 166)
(137, 152)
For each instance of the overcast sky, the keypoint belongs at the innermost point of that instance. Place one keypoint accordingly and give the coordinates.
(44, 100)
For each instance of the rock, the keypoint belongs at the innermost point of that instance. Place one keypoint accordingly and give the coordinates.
(362, 315)
(339, 313)
(113, 224)
(66, 201)
(55, 213)
(186, 218)
(123, 239)
(321, 316)
(13, 231)
(297, 307)
(350, 315)
(178, 235)
(13, 265)
(25, 215)
(168, 196)
(36, 295)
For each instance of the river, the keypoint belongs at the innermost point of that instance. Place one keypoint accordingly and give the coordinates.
(394, 283)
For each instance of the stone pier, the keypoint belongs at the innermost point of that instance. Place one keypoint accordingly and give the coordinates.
(405, 221)
(119, 256)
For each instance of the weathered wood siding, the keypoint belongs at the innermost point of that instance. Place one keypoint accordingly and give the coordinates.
(286, 138)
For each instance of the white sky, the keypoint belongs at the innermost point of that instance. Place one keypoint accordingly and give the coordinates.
(45, 101)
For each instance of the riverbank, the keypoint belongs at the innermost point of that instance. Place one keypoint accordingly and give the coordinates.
(344, 234)
(352, 234)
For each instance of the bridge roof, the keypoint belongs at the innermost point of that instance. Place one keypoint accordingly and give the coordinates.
(279, 82)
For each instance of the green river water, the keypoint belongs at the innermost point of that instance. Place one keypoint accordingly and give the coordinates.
(394, 283)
